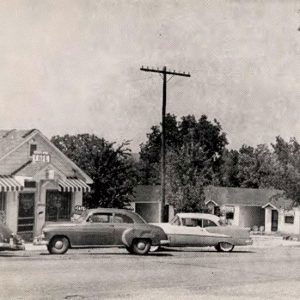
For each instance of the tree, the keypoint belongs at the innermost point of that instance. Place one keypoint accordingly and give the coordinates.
(110, 167)
(229, 168)
(193, 152)
(288, 167)
(151, 150)
(188, 172)
(185, 133)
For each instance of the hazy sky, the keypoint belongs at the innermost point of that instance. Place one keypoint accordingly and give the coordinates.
(73, 66)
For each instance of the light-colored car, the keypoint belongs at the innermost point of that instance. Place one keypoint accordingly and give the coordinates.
(102, 227)
(202, 230)
(9, 240)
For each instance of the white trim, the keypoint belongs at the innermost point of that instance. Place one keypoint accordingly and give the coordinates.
(60, 173)
(215, 203)
(83, 174)
(30, 136)
(270, 204)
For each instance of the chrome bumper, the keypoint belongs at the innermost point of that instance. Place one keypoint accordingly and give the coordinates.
(164, 242)
(11, 246)
(249, 242)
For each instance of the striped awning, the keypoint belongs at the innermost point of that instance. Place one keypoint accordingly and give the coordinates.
(9, 184)
(73, 185)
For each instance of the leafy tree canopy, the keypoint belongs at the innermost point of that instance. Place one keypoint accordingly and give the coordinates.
(110, 167)
(193, 151)
(186, 133)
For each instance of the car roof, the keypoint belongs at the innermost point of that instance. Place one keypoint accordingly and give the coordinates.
(198, 216)
(112, 210)
(137, 218)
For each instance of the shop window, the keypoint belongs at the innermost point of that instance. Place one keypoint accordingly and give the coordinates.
(2, 201)
(29, 184)
(289, 219)
(58, 206)
(2, 207)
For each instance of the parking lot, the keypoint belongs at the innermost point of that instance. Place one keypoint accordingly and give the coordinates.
(246, 273)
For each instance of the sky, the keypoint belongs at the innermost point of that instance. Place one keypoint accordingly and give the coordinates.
(73, 66)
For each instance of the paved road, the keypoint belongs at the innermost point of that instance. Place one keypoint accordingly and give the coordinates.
(252, 273)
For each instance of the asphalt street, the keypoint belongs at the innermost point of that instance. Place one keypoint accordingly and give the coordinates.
(247, 273)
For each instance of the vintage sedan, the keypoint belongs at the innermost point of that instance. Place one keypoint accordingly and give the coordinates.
(102, 227)
(202, 230)
(9, 240)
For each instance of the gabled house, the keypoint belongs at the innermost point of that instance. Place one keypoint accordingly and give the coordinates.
(266, 208)
(38, 183)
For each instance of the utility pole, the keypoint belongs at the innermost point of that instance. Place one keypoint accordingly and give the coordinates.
(164, 72)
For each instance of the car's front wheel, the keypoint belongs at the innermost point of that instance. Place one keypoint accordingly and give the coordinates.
(141, 246)
(58, 245)
(224, 247)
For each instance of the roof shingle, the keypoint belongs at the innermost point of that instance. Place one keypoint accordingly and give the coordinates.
(10, 139)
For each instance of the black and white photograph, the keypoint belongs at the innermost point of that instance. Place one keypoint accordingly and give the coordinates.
(149, 149)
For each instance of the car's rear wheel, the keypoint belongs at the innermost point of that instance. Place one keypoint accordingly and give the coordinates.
(141, 246)
(224, 247)
(58, 245)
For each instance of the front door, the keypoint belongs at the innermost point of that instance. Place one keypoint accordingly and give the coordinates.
(97, 231)
(26, 216)
(274, 220)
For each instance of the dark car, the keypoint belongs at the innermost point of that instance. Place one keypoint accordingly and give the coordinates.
(102, 227)
(9, 240)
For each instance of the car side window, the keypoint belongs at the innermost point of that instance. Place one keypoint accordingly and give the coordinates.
(119, 218)
(100, 218)
(189, 222)
(208, 223)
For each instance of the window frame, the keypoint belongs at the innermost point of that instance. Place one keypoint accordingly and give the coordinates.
(122, 215)
(2, 201)
(110, 217)
(211, 221)
(30, 149)
(288, 217)
(68, 197)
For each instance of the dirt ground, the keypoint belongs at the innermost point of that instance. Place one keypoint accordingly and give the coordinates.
(191, 273)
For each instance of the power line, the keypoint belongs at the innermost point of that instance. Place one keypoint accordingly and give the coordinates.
(164, 73)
